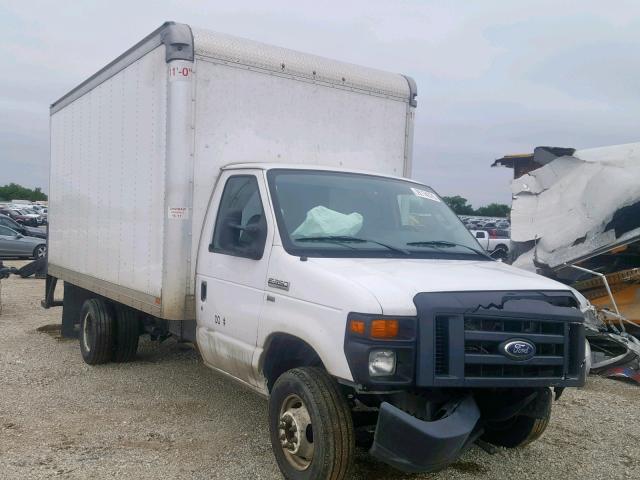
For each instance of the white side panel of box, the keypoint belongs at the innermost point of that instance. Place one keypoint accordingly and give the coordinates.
(106, 204)
(246, 115)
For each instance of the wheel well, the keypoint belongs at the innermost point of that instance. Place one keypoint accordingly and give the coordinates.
(501, 246)
(285, 352)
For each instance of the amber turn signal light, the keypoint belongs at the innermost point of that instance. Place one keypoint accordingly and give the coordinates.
(357, 327)
(384, 328)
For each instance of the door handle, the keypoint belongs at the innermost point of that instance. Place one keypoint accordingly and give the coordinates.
(203, 291)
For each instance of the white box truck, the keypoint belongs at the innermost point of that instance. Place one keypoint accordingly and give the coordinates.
(257, 202)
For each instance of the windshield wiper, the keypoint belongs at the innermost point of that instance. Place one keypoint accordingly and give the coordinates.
(446, 243)
(346, 238)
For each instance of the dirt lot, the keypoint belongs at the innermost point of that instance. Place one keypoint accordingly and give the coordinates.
(167, 416)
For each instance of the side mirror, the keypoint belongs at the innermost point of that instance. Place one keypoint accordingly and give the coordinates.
(246, 228)
(247, 240)
(19, 235)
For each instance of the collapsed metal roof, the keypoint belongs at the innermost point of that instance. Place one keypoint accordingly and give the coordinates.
(578, 203)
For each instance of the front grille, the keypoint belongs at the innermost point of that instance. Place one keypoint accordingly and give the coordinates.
(511, 371)
(464, 336)
(482, 358)
(442, 346)
(489, 324)
(484, 335)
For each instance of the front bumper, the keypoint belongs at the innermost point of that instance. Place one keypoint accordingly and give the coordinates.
(413, 445)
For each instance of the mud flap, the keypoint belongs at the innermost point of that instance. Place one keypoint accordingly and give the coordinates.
(413, 445)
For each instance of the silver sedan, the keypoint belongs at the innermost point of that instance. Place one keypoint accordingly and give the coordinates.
(14, 244)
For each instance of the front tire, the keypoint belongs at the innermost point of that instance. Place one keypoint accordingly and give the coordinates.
(96, 332)
(521, 429)
(310, 425)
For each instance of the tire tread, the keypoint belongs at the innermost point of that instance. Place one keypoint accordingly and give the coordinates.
(101, 350)
(339, 431)
(126, 334)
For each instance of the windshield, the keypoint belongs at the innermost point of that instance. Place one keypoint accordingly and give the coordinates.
(336, 214)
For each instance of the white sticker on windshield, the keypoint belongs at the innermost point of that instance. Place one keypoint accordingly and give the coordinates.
(425, 194)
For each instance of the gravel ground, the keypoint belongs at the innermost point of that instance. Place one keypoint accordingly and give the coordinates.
(168, 416)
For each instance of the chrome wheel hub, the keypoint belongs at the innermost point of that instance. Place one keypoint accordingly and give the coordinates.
(296, 432)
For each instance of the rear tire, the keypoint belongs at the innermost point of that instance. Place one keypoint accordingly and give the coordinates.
(519, 430)
(325, 441)
(126, 335)
(40, 251)
(96, 332)
(501, 252)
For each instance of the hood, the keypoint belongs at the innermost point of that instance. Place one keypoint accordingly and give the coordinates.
(394, 282)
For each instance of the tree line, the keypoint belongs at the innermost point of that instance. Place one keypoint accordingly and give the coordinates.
(13, 191)
(460, 206)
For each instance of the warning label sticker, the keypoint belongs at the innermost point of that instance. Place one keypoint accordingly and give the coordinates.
(425, 194)
(179, 213)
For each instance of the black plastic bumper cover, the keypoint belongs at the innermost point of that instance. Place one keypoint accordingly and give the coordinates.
(413, 445)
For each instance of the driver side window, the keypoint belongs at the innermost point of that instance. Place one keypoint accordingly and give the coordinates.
(240, 228)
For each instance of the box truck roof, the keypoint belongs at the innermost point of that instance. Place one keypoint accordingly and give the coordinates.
(185, 43)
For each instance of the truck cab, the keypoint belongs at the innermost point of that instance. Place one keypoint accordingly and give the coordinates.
(371, 284)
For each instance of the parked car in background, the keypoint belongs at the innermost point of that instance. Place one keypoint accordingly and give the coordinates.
(503, 233)
(19, 217)
(40, 210)
(14, 244)
(7, 221)
(503, 224)
(29, 212)
(498, 247)
(498, 232)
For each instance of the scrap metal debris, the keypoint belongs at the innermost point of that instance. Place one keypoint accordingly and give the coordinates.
(576, 205)
(576, 218)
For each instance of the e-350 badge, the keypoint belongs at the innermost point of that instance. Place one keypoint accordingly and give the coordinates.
(279, 284)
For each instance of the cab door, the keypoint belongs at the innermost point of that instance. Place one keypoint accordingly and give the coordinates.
(231, 272)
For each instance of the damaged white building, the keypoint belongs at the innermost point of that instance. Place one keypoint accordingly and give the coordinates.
(580, 207)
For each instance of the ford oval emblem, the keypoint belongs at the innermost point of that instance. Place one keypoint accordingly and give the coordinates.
(518, 349)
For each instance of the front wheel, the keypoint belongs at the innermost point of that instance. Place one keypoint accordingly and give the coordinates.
(521, 429)
(310, 425)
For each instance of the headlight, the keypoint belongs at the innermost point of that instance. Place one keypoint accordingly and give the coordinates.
(382, 363)
(381, 349)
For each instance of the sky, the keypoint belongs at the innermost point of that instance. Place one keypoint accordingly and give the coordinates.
(494, 77)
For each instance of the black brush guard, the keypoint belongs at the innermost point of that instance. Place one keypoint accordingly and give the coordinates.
(460, 334)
